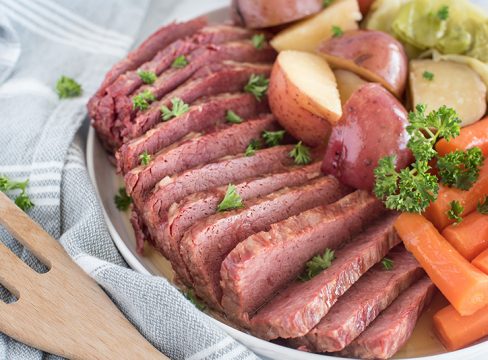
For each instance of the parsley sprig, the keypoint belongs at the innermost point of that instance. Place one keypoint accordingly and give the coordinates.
(67, 87)
(455, 212)
(412, 189)
(231, 201)
(257, 85)
(252, 147)
(443, 13)
(427, 75)
(337, 31)
(22, 200)
(273, 138)
(142, 100)
(122, 200)
(258, 41)
(147, 77)
(483, 206)
(180, 62)
(317, 264)
(387, 263)
(232, 117)
(301, 154)
(190, 295)
(178, 107)
(145, 158)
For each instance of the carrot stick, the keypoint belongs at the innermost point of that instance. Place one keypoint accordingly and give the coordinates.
(436, 212)
(481, 261)
(456, 331)
(470, 237)
(470, 136)
(464, 285)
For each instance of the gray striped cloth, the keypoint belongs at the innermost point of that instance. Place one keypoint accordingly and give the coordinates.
(40, 141)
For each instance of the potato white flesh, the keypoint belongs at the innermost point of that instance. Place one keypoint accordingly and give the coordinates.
(453, 84)
(306, 34)
(347, 83)
(315, 83)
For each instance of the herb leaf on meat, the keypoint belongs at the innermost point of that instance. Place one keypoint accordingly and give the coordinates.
(147, 77)
(178, 107)
(232, 117)
(122, 200)
(455, 212)
(258, 41)
(317, 264)
(459, 168)
(22, 200)
(144, 158)
(257, 85)
(142, 100)
(231, 201)
(301, 154)
(252, 147)
(273, 138)
(180, 62)
(190, 295)
(67, 87)
(387, 263)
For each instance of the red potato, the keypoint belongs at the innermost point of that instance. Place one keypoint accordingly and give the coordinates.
(373, 55)
(303, 96)
(265, 13)
(372, 126)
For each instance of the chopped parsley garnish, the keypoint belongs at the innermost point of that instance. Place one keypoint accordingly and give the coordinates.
(317, 264)
(258, 41)
(122, 200)
(257, 85)
(232, 200)
(178, 107)
(142, 100)
(459, 168)
(483, 206)
(232, 117)
(414, 188)
(427, 75)
(387, 263)
(326, 3)
(180, 62)
(455, 212)
(190, 295)
(301, 154)
(67, 87)
(22, 200)
(147, 77)
(145, 158)
(273, 138)
(443, 13)
(252, 147)
(337, 31)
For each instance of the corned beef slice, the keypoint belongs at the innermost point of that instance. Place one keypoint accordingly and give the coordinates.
(232, 78)
(265, 262)
(301, 305)
(197, 206)
(393, 327)
(201, 117)
(238, 51)
(362, 303)
(205, 245)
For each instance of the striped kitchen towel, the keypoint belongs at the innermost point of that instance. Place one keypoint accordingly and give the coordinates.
(40, 40)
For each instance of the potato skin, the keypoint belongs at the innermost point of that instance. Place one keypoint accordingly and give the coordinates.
(283, 98)
(374, 55)
(256, 14)
(372, 126)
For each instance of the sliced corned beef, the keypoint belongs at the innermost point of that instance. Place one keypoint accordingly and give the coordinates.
(267, 261)
(393, 327)
(362, 303)
(199, 118)
(301, 305)
(205, 245)
(231, 78)
(193, 152)
(199, 205)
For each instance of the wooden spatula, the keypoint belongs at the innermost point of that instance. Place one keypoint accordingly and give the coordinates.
(62, 311)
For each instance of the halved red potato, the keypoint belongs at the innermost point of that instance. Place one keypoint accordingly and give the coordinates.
(372, 126)
(347, 83)
(265, 13)
(303, 96)
(307, 34)
(373, 55)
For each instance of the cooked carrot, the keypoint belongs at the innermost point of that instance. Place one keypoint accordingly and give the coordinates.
(481, 261)
(470, 136)
(464, 285)
(436, 212)
(456, 331)
(470, 237)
